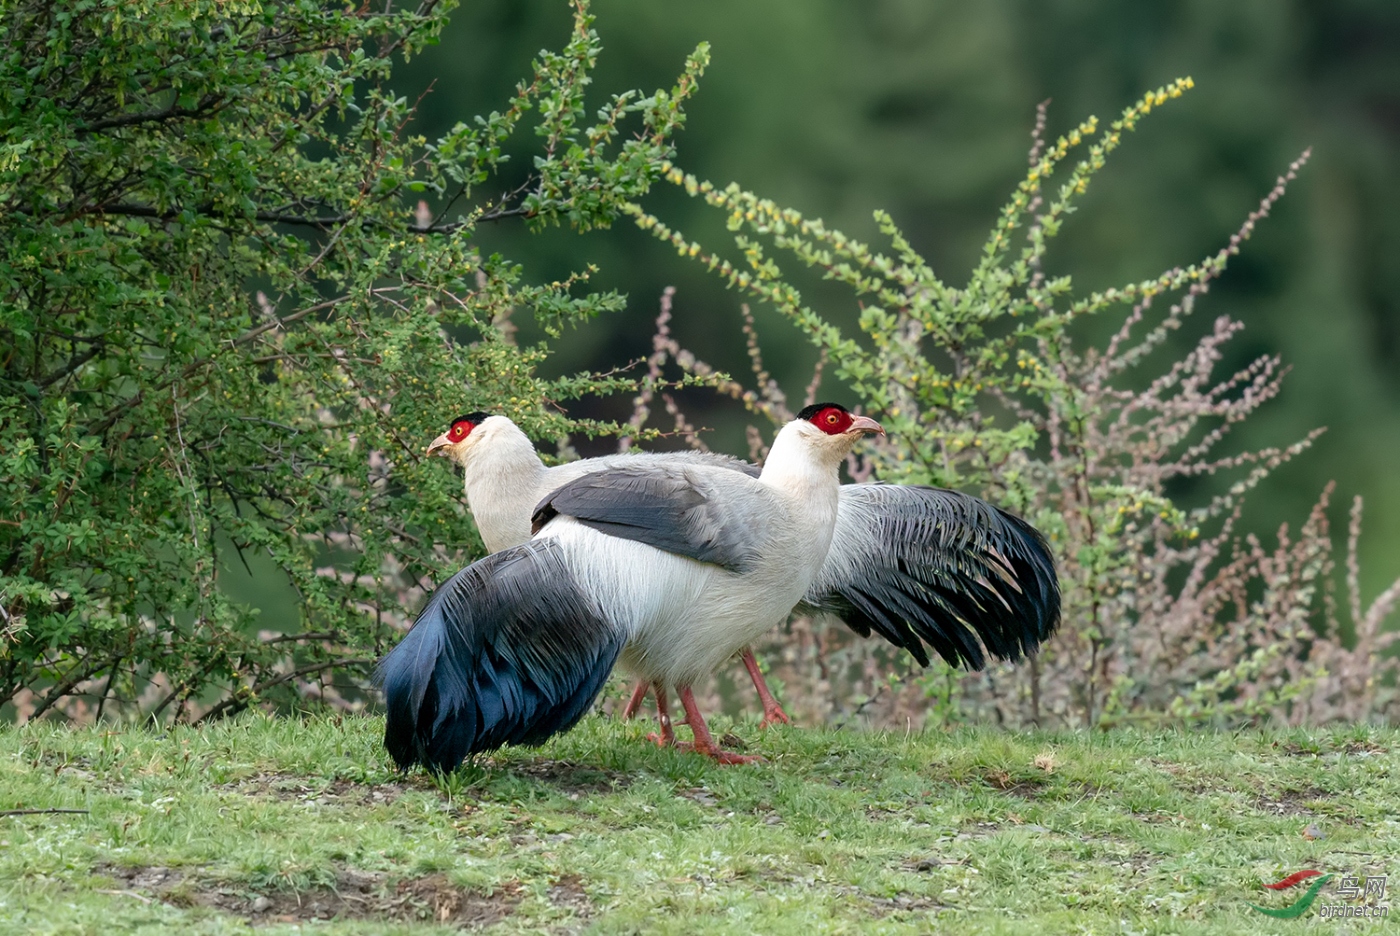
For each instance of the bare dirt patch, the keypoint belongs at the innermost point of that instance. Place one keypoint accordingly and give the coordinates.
(1294, 749)
(859, 899)
(292, 788)
(1290, 802)
(568, 893)
(884, 906)
(356, 895)
(922, 865)
(570, 778)
(1024, 787)
(1362, 748)
(698, 795)
(448, 903)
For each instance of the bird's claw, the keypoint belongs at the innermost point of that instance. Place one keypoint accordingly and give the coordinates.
(727, 758)
(773, 715)
(772, 711)
(667, 737)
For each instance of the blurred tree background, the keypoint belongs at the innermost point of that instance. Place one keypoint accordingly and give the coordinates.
(924, 108)
(921, 109)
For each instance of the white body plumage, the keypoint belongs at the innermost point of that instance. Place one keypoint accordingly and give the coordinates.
(683, 618)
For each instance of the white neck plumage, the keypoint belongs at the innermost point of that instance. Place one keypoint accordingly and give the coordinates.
(804, 464)
(501, 476)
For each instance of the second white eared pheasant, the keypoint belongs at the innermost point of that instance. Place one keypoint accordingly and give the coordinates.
(671, 567)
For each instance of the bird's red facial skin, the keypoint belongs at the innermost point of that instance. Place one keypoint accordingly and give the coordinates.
(460, 430)
(832, 421)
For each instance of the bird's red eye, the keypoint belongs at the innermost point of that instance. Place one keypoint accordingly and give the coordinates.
(459, 431)
(831, 418)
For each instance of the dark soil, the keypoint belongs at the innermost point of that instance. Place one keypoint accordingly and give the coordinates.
(568, 893)
(1027, 788)
(571, 778)
(356, 895)
(1290, 802)
(290, 788)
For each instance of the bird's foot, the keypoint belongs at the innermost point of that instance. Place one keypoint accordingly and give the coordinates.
(667, 737)
(704, 742)
(774, 714)
(719, 756)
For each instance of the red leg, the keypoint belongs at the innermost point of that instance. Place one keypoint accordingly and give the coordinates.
(704, 743)
(772, 711)
(667, 737)
(634, 703)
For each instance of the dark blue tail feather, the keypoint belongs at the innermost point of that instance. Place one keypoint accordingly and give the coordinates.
(509, 651)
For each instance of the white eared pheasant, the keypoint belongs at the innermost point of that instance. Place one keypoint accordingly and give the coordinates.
(671, 567)
(504, 479)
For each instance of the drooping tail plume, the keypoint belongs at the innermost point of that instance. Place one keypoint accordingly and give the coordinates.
(508, 651)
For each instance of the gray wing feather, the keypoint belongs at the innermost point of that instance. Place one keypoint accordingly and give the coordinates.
(923, 565)
(682, 509)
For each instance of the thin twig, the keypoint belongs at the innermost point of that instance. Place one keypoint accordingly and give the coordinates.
(125, 893)
(237, 703)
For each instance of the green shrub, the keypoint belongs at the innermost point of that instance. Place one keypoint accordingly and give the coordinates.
(225, 329)
(993, 386)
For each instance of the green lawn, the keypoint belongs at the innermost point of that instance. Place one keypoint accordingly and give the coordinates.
(302, 825)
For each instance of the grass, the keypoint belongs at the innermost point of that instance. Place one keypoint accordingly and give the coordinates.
(278, 823)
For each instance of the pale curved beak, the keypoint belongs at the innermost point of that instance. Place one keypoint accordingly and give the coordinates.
(439, 445)
(867, 425)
